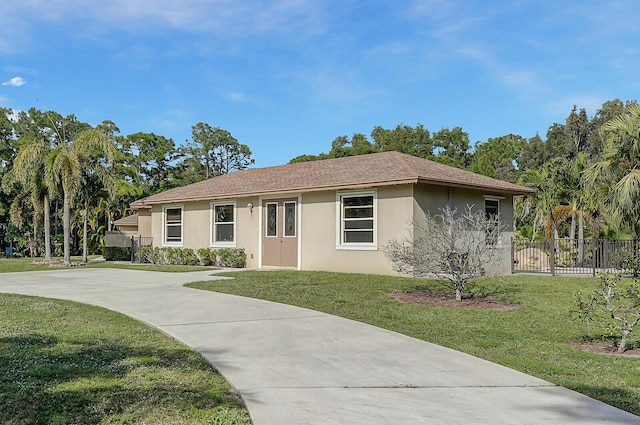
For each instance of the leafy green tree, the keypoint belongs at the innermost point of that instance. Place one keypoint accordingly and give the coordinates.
(413, 141)
(578, 129)
(212, 152)
(533, 154)
(452, 147)
(609, 110)
(616, 173)
(8, 151)
(307, 158)
(148, 161)
(496, 157)
(358, 145)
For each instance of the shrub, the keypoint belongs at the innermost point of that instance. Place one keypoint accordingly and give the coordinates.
(171, 255)
(566, 253)
(187, 256)
(116, 253)
(630, 263)
(224, 257)
(153, 255)
(204, 256)
(230, 257)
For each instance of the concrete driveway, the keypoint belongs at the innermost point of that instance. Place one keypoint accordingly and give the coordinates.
(296, 366)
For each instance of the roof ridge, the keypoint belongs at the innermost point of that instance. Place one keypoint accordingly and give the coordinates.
(400, 158)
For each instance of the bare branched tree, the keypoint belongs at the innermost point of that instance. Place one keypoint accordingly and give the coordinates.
(615, 303)
(451, 245)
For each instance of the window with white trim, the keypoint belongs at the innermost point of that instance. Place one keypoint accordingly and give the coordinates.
(357, 220)
(492, 212)
(224, 225)
(172, 225)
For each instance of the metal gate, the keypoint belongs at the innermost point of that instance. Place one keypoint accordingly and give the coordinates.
(132, 242)
(137, 242)
(572, 256)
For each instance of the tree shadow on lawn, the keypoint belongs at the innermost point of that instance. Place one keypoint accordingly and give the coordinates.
(47, 381)
(480, 289)
(617, 397)
(606, 345)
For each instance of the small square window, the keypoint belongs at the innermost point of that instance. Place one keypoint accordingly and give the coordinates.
(357, 217)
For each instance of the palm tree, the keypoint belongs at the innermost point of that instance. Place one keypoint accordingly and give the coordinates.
(28, 172)
(617, 172)
(546, 196)
(92, 153)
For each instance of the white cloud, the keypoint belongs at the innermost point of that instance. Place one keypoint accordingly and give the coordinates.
(15, 82)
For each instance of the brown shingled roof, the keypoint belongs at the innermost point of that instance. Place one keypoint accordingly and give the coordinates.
(130, 220)
(378, 169)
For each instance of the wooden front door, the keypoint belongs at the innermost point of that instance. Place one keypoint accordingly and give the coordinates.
(280, 232)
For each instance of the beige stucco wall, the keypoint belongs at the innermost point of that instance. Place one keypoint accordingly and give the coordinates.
(144, 222)
(432, 198)
(197, 226)
(319, 231)
(396, 208)
(247, 230)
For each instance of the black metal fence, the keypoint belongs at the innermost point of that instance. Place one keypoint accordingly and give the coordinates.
(137, 242)
(132, 242)
(573, 256)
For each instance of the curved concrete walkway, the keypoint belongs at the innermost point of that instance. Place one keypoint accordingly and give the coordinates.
(294, 366)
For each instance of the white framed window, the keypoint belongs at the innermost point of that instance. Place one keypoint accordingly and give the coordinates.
(492, 212)
(172, 216)
(223, 224)
(357, 220)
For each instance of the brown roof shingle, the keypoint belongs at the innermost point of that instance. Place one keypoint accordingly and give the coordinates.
(378, 169)
(130, 220)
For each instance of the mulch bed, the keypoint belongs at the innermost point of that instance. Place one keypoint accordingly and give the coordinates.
(605, 349)
(448, 300)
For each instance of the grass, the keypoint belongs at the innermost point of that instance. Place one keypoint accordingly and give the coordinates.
(63, 362)
(8, 265)
(535, 340)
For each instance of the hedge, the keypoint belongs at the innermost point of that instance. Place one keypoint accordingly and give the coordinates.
(222, 257)
(116, 253)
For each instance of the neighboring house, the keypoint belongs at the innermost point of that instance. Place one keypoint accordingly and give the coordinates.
(335, 214)
(128, 225)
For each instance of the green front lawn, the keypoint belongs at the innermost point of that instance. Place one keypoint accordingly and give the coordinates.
(535, 340)
(8, 265)
(67, 363)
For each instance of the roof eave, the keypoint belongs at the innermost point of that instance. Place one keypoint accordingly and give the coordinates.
(352, 186)
(515, 191)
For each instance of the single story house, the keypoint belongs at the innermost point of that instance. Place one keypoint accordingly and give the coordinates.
(128, 225)
(334, 214)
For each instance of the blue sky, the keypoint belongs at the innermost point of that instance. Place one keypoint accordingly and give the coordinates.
(286, 77)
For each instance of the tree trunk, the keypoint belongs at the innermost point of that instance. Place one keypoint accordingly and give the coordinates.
(33, 250)
(458, 294)
(623, 341)
(580, 240)
(56, 216)
(66, 229)
(572, 229)
(85, 247)
(47, 229)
